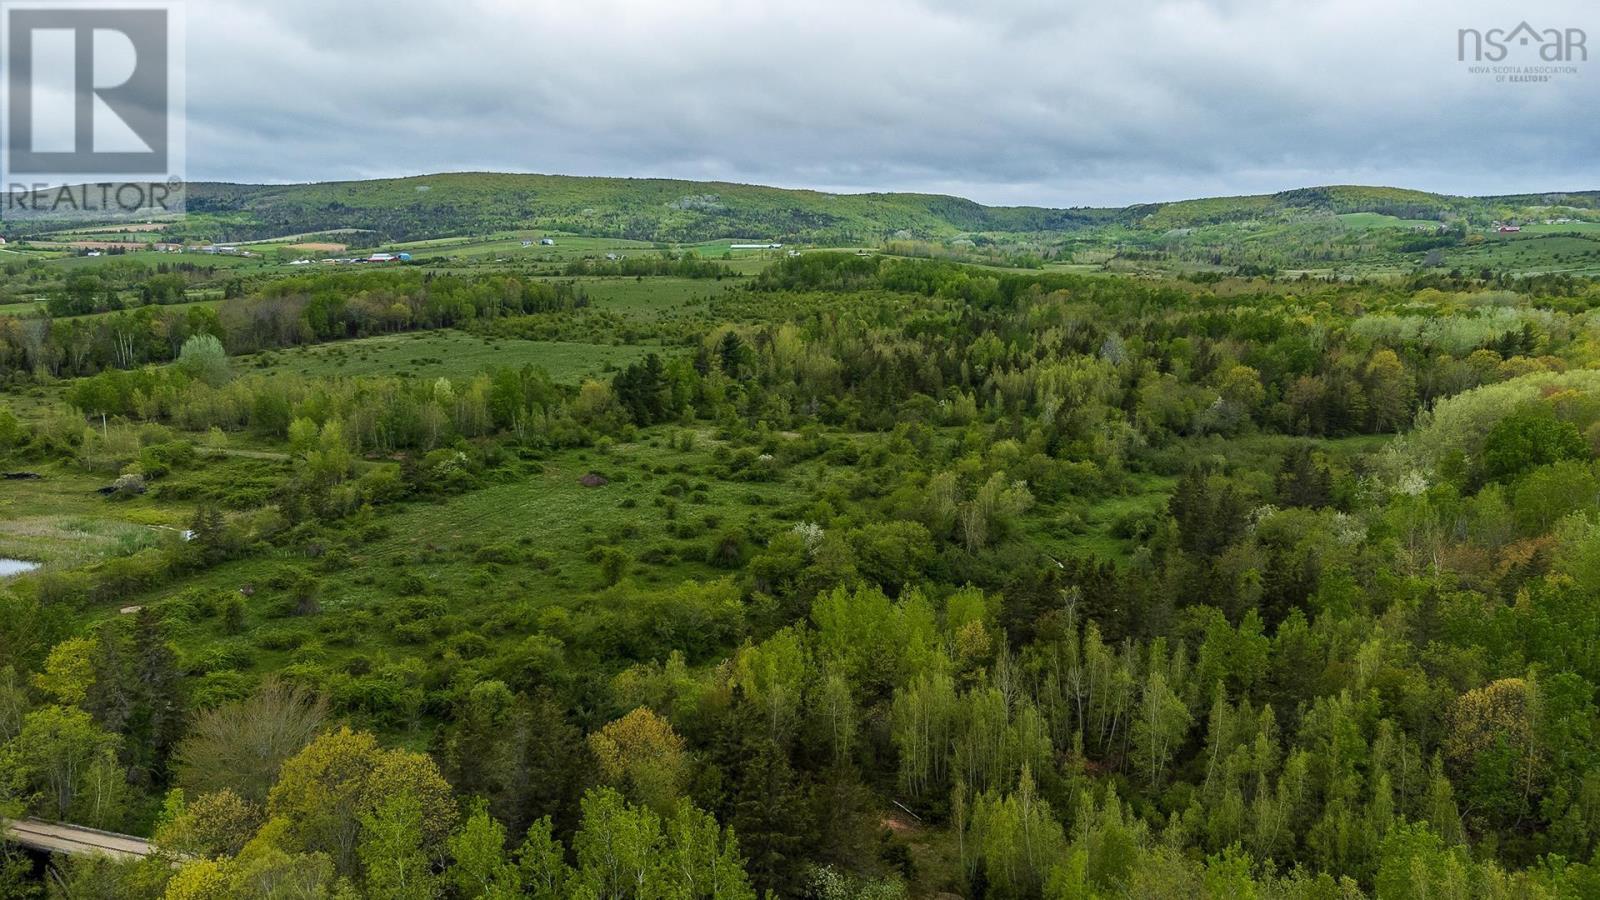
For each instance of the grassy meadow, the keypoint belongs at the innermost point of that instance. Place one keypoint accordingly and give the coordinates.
(446, 354)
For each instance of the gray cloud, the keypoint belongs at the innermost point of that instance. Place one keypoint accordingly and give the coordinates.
(1015, 101)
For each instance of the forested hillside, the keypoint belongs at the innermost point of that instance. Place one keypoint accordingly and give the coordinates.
(668, 210)
(863, 577)
(638, 208)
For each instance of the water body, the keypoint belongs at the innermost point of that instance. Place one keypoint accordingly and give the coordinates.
(10, 567)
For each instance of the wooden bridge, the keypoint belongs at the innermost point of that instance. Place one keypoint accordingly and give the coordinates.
(75, 840)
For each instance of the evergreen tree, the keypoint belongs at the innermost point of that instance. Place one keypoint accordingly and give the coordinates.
(768, 814)
(1302, 481)
(208, 534)
(157, 722)
(732, 354)
(110, 697)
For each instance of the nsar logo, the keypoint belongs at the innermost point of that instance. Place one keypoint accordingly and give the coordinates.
(1554, 45)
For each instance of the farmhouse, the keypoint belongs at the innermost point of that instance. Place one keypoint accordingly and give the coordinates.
(1510, 229)
(547, 242)
(755, 246)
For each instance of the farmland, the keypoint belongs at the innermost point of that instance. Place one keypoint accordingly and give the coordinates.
(1327, 233)
(485, 219)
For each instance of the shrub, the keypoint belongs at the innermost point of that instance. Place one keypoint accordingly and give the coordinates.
(203, 358)
(729, 550)
(614, 563)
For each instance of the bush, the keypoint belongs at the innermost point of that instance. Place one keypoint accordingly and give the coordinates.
(278, 639)
(409, 584)
(495, 553)
(231, 613)
(659, 555)
(614, 562)
(203, 358)
(157, 460)
(729, 550)
(128, 485)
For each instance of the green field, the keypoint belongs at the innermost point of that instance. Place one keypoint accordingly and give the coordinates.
(517, 551)
(153, 259)
(61, 519)
(20, 310)
(1088, 530)
(652, 299)
(1378, 220)
(1531, 254)
(448, 354)
(1563, 228)
(510, 244)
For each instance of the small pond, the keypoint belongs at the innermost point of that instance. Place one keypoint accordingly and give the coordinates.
(10, 567)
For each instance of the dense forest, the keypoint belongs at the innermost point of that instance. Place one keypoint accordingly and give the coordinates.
(869, 578)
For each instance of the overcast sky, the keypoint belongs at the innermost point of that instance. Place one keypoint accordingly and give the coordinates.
(1049, 102)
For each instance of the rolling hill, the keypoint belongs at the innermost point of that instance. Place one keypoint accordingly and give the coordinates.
(1336, 231)
(677, 211)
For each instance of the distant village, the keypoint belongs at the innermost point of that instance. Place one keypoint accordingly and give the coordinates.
(1516, 227)
(353, 260)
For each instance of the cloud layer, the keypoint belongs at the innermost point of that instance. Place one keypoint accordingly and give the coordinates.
(1015, 101)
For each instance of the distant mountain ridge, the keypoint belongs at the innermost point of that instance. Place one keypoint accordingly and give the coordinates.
(672, 210)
